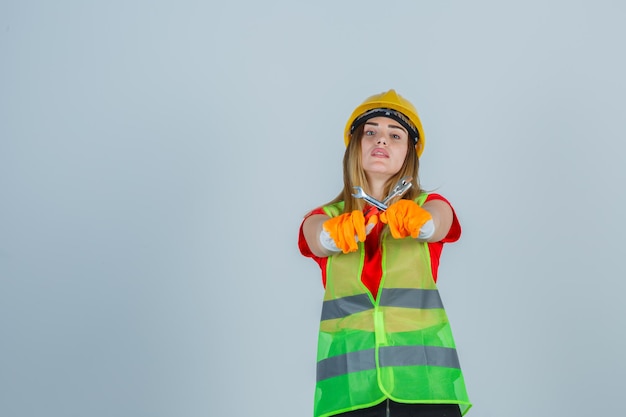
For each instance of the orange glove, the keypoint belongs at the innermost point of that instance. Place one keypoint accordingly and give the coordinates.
(346, 230)
(405, 218)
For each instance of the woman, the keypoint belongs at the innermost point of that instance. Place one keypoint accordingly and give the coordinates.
(385, 346)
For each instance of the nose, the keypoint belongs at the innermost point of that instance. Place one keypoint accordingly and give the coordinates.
(381, 139)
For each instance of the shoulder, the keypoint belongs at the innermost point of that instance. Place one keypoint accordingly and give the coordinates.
(435, 196)
(319, 210)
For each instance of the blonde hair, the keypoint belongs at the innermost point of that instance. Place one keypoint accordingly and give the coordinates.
(354, 175)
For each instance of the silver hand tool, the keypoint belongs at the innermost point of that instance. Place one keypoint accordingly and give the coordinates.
(401, 187)
(362, 194)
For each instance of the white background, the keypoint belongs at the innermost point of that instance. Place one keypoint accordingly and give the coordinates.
(157, 157)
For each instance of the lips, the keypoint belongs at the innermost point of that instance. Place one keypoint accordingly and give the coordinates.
(380, 153)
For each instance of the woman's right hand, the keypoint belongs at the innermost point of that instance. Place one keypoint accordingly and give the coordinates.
(343, 232)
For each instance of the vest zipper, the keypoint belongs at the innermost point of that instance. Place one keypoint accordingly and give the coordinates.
(388, 414)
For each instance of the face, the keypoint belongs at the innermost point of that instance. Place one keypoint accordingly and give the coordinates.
(383, 147)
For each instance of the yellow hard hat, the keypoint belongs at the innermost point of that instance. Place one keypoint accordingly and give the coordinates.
(388, 104)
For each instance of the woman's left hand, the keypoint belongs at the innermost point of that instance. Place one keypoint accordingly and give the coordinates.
(405, 218)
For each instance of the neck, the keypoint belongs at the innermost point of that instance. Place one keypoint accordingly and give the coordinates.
(377, 188)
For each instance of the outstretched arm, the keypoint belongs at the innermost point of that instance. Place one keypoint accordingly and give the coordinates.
(312, 228)
(442, 215)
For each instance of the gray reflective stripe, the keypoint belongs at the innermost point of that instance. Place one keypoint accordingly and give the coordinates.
(364, 360)
(342, 307)
(390, 297)
(418, 355)
(361, 360)
(410, 298)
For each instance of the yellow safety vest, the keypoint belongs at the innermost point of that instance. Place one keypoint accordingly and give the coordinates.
(398, 346)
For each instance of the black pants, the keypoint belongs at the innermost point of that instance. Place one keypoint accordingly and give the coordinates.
(406, 410)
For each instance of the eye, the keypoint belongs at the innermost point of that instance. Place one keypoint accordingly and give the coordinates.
(396, 137)
(368, 133)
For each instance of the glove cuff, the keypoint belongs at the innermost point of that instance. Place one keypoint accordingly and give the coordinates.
(328, 243)
(427, 230)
